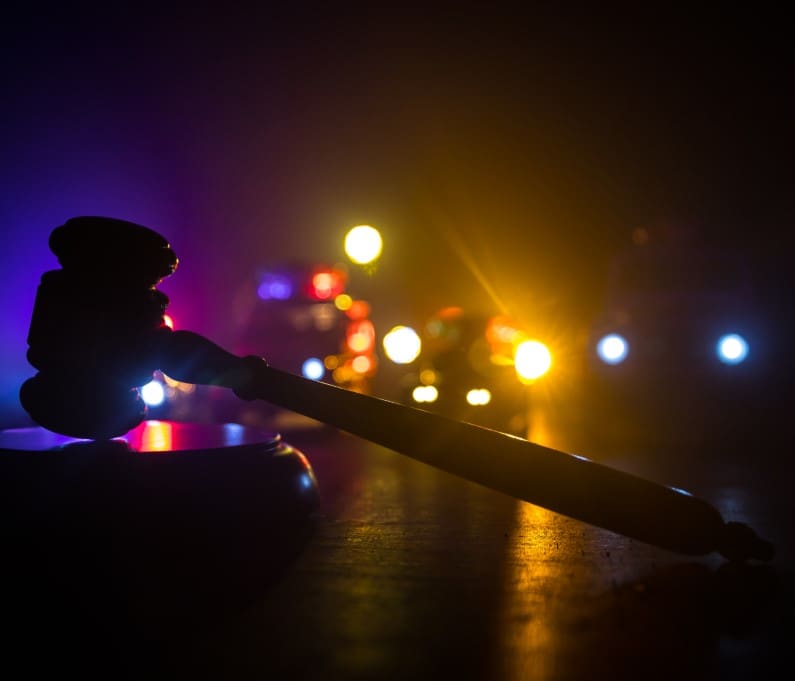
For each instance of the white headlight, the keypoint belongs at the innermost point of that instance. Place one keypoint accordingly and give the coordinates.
(153, 393)
(732, 348)
(612, 349)
(313, 368)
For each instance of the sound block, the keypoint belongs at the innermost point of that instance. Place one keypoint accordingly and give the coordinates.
(172, 520)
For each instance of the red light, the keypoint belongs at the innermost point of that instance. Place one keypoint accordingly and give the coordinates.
(327, 284)
(168, 321)
(360, 336)
(359, 309)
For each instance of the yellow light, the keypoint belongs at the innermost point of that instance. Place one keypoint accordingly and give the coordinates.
(402, 344)
(479, 397)
(361, 364)
(156, 436)
(532, 360)
(343, 302)
(342, 374)
(427, 377)
(425, 393)
(363, 244)
(358, 342)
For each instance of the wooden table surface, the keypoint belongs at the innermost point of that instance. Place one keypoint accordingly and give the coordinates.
(407, 572)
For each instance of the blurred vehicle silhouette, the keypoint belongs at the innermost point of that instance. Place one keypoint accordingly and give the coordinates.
(300, 318)
(467, 370)
(679, 339)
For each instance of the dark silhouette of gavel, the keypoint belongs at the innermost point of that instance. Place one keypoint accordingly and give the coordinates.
(97, 331)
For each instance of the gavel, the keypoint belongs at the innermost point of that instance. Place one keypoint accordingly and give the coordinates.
(98, 331)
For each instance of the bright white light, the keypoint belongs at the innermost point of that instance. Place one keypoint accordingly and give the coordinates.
(425, 393)
(363, 244)
(402, 345)
(532, 359)
(612, 349)
(153, 394)
(479, 397)
(732, 348)
(313, 368)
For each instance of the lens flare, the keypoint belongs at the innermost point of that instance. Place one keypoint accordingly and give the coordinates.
(532, 360)
(153, 394)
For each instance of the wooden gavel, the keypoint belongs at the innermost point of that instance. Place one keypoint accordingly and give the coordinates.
(97, 331)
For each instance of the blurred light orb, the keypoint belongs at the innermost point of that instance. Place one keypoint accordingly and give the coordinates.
(402, 344)
(612, 349)
(361, 364)
(732, 348)
(363, 244)
(343, 302)
(479, 397)
(153, 394)
(275, 287)
(532, 360)
(425, 393)
(313, 369)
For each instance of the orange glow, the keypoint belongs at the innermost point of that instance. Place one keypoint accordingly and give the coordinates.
(358, 309)
(361, 364)
(342, 374)
(156, 436)
(360, 336)
(501, 330)
(168, 321)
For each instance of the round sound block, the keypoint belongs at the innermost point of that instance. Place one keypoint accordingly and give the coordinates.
(169, 518)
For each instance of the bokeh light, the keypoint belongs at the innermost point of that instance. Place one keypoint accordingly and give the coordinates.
(343, 302)
(732, 348)
(478, 397)
(153, 394)
(402, 344)
(532, 360)
(362, 364)
(313, 369)
(425, 393)
(363, 244)
(612, 349)
(275, 287)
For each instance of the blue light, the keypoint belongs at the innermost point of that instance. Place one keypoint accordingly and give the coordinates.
(313, 368)
(233, 434)
(275, 287)
(612, 349)
(153, 394)
(732, 348)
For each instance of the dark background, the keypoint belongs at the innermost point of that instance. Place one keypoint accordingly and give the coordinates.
(504, 154)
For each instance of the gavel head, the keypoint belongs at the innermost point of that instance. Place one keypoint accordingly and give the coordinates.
(95, 327)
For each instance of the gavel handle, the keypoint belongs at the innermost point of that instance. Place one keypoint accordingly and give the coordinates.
(564, 483)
